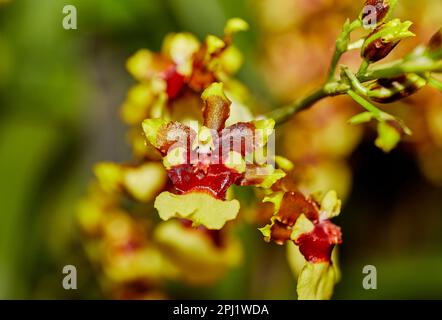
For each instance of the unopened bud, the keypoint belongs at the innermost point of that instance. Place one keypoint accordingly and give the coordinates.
(390, 90)
(384, 39)
(375, 12)
(435, 45)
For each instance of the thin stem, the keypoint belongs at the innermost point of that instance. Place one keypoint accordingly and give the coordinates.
(392, 70)
(377, 113)
(435, 83)
(283, 114)
(400, 67)
(356, 85)
(363, 68)
(342, 46)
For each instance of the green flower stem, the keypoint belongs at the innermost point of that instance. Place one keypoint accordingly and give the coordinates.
(392, 70)
(401, 67)
(364, 66)
(349, 82)
(435, 83)
(356, 85)
(283, 114)
(377, 113)
(342, 46)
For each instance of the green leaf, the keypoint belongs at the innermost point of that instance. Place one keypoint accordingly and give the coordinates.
(199, 207)
(316, 281)
(388, 137)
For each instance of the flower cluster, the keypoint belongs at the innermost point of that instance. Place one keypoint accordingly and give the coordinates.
(170, 82)
(194, 138)
(136, 258)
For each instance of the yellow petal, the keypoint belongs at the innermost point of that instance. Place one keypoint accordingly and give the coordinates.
(199, 207)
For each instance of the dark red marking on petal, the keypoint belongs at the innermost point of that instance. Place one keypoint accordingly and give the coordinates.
(239, 137)
(294, 204)
(216, 110)
(280, 233)
(173, 135)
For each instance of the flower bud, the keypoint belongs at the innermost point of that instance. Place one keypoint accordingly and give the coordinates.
(390, 90)
(435, 45)
(436, 41)
(376, 11)
(384, 39)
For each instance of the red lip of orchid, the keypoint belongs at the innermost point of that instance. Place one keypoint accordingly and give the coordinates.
(317, 245)
(306, 223)
(215, 180)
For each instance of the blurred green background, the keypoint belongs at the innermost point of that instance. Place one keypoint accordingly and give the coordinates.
(60, 91)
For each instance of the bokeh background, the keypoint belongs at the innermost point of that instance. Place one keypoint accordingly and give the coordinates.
(60, 94)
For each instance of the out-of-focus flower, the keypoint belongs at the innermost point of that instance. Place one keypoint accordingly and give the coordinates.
(426, 123)
(319, 157)
(119, 246)
(135, 260)
(184, 67)
(143, 182)
(171, 82)
(200, 255)
(204, 162)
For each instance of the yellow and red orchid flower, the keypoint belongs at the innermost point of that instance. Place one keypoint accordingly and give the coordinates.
(182, 68)
(306, 223)
(202, 162)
